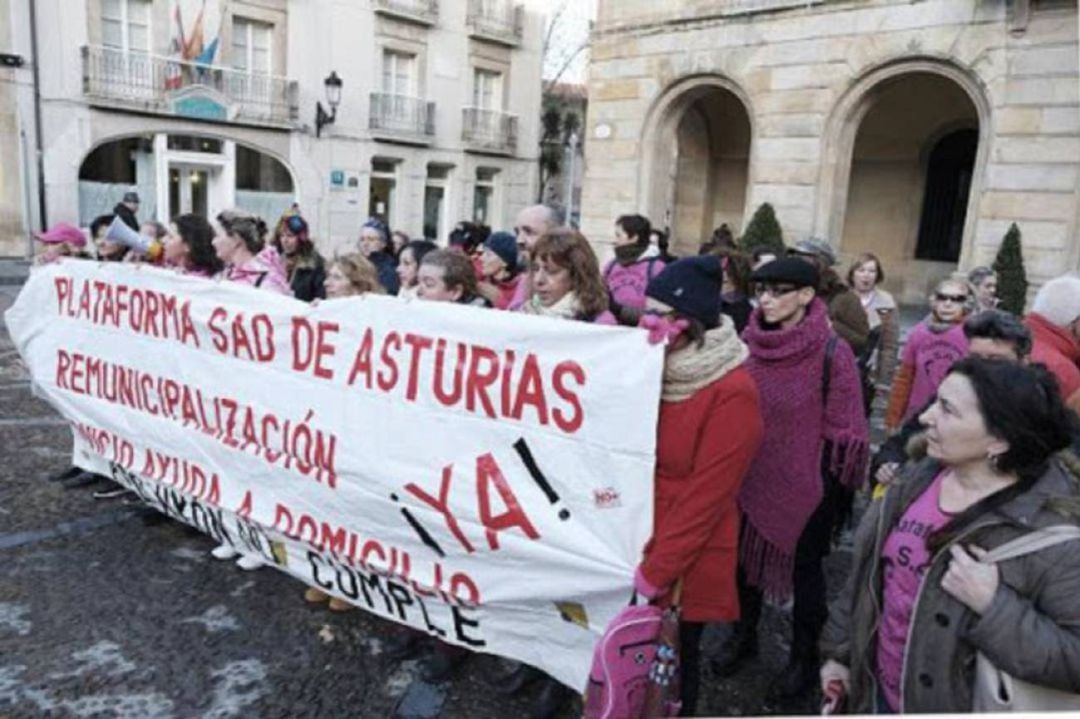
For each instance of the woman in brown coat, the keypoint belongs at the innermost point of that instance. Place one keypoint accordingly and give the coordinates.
(919, 603)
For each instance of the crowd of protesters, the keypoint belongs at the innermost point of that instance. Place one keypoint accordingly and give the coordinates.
(772, 366)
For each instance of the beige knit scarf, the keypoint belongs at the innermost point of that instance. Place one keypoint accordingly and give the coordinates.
(689, 369)
(567, 308)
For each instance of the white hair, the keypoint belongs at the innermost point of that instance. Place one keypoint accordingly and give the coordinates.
(1059, 300)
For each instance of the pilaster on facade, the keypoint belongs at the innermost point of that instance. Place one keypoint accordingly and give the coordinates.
(918, 132)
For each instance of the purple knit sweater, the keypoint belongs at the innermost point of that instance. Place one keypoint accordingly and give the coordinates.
(784, 484)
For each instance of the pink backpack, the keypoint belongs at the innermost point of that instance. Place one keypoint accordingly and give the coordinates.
(619, 679)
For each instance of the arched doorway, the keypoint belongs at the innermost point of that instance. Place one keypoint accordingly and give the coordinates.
(696, 163)
(906, 197)
(176, 173)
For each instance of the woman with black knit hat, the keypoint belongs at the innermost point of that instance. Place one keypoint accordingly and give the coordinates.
(709, 431)
(813, 454)
(629, 273)
(305, 267)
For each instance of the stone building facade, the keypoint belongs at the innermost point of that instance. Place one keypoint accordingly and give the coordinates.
(205, 104)
(915, 129)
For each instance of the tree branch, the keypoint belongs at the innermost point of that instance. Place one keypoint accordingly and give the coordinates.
(551, 82)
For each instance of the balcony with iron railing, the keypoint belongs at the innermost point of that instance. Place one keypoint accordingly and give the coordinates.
(402, 117)
(490, 131)
(165, 85)
(498, 21)
(424, 12)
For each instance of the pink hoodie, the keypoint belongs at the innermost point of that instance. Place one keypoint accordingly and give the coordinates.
(265, 270)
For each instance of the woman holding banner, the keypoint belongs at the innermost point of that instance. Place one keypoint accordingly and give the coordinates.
(248, 259)
(565, 280)
(709, 430)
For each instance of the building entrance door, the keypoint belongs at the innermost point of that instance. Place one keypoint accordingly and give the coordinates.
(189, 189)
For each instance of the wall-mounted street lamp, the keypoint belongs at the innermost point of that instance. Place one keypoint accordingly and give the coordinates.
(333, 99)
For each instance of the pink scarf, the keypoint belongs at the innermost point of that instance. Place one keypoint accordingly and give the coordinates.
(784, 484)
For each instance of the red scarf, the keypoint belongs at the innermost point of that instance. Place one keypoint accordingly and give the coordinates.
(784, 484)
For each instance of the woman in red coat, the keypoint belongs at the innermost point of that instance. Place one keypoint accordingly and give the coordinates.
(709, 431)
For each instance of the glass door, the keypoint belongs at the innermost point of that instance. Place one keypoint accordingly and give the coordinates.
(189, 190)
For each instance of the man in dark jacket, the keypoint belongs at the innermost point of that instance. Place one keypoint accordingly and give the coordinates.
(127, 208)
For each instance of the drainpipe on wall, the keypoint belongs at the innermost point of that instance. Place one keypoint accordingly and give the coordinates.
(38, 143)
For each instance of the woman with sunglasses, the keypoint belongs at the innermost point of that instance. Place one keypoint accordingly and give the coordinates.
(813, 455)
(931, 348)
(306, 268)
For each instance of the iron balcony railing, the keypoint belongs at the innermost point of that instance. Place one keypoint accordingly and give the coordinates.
(170, 86)
(402, 116)
(497, 20)
(749, 7)
(422, 11)
(489, 130)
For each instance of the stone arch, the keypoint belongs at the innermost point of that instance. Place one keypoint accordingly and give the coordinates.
(834, 211)
(691, 113)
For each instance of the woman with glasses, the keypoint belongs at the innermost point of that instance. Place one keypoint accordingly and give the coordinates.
(709, 430)
(305, 267)
(931, 348)
(812, 456)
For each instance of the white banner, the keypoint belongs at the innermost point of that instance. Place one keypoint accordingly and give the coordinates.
(481, 476)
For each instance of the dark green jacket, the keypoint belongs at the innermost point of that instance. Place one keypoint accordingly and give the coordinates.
(1031, 630)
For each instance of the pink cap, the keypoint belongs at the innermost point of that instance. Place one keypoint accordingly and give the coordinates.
(62, 232)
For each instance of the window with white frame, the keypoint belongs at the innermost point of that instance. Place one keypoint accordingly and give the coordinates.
(399, 73)
(382, 189)
(484, 202)
(251, 46)
(487, 90)
(125, 25)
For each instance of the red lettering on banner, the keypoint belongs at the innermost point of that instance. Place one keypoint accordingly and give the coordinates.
(531, 391)
(442, 505)
(568, 423)
(220, 339)
(448, 399)
(63, 293)
(418, 343)
(479, 380)
(245, 506)
(505, 396)
(63, 365)
(362, 361)
(487, 473)
(386, 382)
(311, 346)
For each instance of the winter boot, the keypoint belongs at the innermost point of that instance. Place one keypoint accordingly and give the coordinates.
(741, 646)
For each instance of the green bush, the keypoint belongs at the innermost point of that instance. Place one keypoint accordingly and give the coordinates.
(1012, 279)
(763, 232)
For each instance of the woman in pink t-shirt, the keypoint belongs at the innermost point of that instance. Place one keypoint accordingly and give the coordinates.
(919, 602)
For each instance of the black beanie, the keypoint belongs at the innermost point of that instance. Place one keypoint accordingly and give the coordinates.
(691, 287)
(791, 270)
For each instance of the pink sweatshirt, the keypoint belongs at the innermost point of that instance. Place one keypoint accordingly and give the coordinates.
(627, 283)
(931, 354)
(265, 270)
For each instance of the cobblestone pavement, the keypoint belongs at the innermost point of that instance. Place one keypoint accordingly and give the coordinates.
(103, 614)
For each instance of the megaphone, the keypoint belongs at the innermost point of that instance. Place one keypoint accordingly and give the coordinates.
(119, 232)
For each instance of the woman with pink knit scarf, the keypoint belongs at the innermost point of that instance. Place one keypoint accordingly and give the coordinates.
(814, 453)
